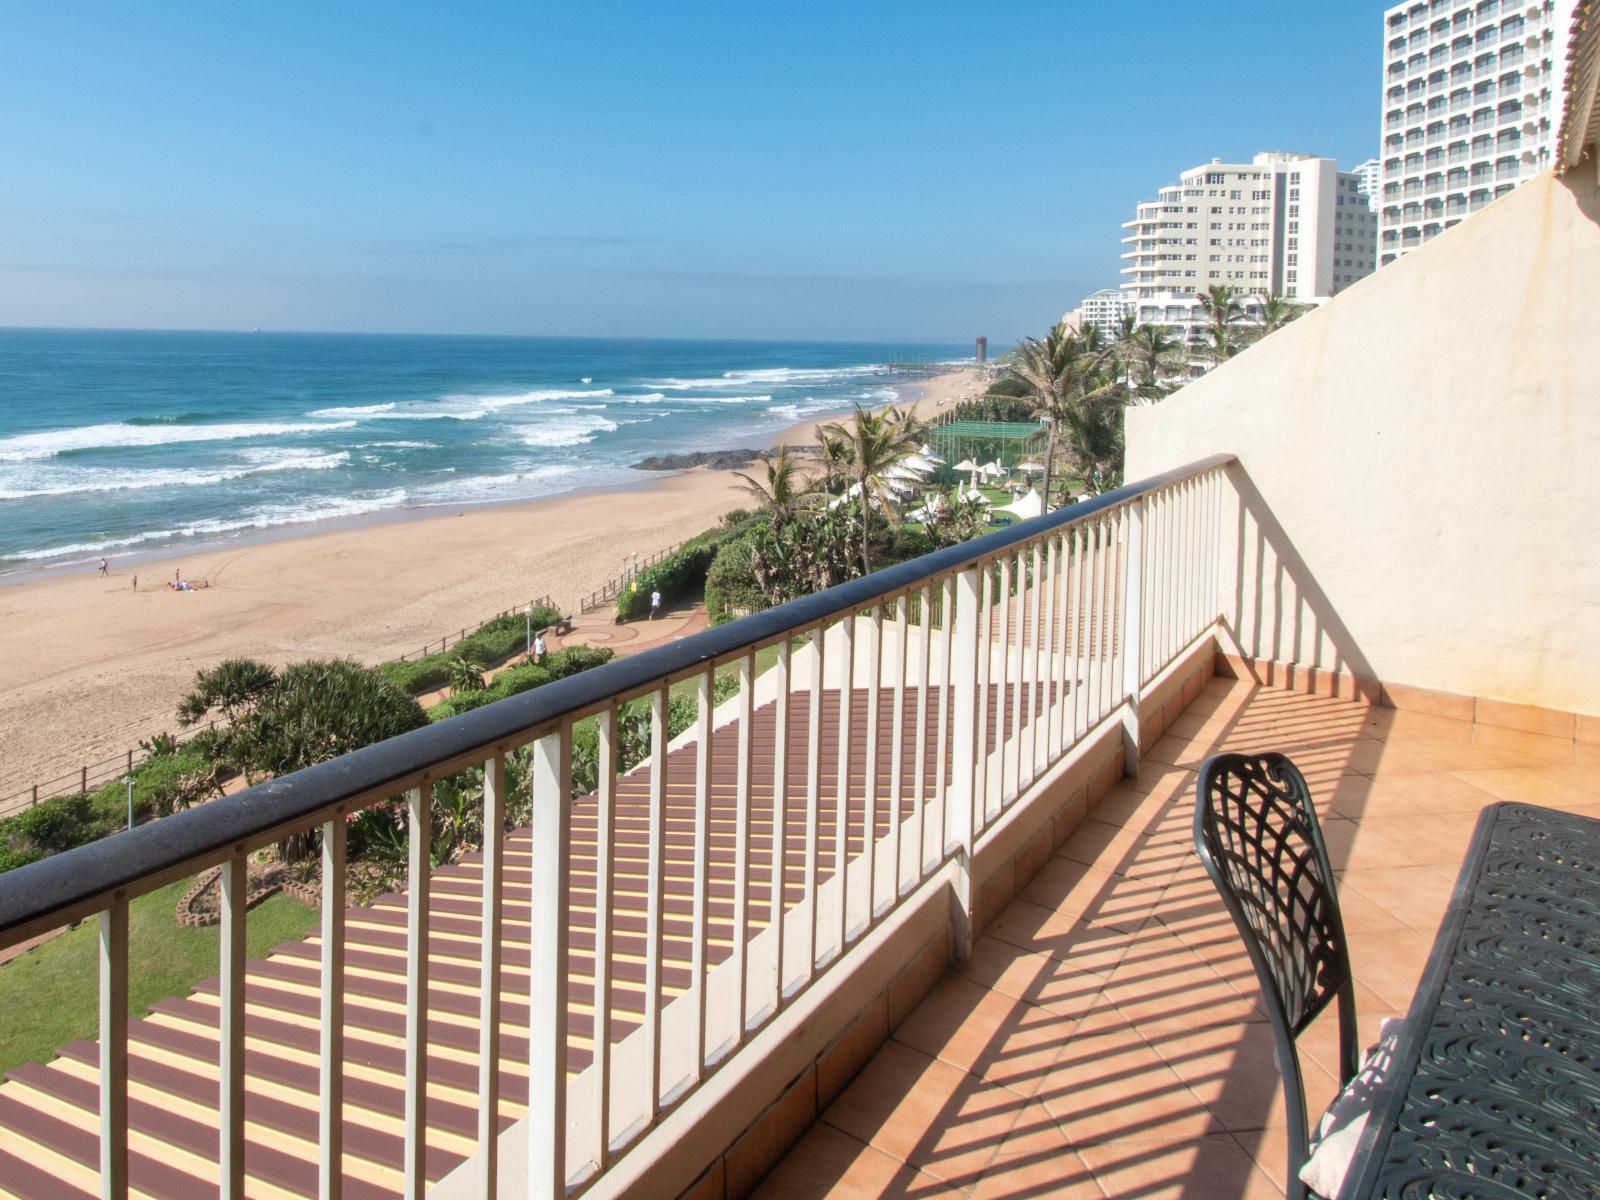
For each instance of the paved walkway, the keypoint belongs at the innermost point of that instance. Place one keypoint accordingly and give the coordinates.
(1106, 1040)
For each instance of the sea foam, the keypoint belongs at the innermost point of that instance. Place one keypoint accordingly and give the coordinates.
(25, 446)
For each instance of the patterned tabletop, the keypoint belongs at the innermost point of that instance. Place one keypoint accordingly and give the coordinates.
(1496, 1085)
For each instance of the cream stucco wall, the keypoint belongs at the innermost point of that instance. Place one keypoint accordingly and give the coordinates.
(1419, 463)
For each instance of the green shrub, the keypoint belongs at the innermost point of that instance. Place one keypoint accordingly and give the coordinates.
(576, 659)
(10, 858)
(521, 678)
(419, 675)
(53, 825)
(731, 587)
(489, 645)
(679, 573)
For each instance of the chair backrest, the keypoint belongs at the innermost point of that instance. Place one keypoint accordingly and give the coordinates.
(1256, 831)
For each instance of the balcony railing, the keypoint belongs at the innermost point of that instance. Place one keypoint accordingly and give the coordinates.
(672, 913)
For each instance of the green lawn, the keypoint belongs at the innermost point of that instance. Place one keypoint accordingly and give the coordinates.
(50, 996)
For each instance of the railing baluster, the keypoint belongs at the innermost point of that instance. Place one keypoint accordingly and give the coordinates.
(994, 796)
(814, 799)
(605, 798)
(1075, 672)
(897, 744)
(330, 1108)
(941, 777)
(114, 1051)
(491, 939)
(743, 803)
(966, 733)
(547, 952)
(869, 782)
(230, 1033)
(919, 762)
(780, 815)
(654, 891)
(841, 791)
(1035, 694)
(1050, 678)
(701, 898)
(419, 803)
(1018, 660)
(983, 651)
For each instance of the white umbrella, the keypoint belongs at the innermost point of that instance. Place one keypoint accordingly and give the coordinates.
(975, 494)
(992, 470)
(928, 453)
(966, 464)
(1029, 506)
(1030, 466)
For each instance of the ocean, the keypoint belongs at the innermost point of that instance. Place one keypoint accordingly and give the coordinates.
(123, 443)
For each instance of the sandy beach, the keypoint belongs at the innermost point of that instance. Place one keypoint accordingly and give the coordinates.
(88, 666)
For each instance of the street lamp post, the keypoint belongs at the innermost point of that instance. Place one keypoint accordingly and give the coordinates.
(529, 651)
(128, 779)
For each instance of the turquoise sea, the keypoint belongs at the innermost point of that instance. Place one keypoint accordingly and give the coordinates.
(127, 443)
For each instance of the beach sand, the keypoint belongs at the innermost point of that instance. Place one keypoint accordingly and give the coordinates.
(88, 667)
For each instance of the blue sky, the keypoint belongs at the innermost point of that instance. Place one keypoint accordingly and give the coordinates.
(820, 170)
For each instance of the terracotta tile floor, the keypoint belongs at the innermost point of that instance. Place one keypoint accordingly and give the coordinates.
(1105, 1039)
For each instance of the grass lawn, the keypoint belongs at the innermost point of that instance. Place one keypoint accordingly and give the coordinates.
(50, 995)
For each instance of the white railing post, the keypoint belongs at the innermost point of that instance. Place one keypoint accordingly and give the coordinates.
(235, 883)
(114, 1051)
(330, 1108)
(547, 980)
(1130, 638)
(494, 837)
(965, 742)
(418, 884)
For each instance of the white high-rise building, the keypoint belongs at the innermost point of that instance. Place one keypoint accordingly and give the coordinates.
(1471, 102)
(1369, 173)
(1103, 311)
(1292, 225)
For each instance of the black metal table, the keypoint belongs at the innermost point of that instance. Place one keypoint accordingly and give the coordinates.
(1495, 1088)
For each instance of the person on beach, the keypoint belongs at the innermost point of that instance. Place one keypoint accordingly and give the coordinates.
(136, 583)
(538, 647)
(655, 604)
(105, 567)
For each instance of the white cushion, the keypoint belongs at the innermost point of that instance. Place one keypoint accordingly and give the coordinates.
(1339, 1131)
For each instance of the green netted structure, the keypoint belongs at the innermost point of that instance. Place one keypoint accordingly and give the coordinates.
(1009, 442)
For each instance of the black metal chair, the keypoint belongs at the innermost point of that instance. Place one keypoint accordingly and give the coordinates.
(1256, 830)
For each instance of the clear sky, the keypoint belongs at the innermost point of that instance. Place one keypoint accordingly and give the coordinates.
(850, 169)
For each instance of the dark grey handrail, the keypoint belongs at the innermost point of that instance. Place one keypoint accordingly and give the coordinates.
(30, 896)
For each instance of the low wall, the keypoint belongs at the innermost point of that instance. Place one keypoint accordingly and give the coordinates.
(1419, 465)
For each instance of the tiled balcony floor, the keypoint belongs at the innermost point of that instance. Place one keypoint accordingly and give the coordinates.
(1105, 1039)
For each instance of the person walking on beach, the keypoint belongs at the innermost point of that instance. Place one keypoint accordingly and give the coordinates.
(136, 583)
(538, 647)
(105, 567)
(655, 604)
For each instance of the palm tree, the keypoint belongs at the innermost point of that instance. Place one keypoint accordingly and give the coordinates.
(783, 488)
(1274, 312)
(876, 442)
(1222, 336)
(465, 675)
(1065, 372)
(1150, 353)
(835, 452)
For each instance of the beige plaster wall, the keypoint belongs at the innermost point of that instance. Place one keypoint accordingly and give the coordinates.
(1419, 463)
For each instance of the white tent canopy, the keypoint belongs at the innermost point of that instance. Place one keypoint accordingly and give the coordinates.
(992, 470)
(966, 464)
(1027, 507)
(1030, 466)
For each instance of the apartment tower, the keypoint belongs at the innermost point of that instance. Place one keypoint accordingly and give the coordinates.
(1283, 224)
(1471, 101)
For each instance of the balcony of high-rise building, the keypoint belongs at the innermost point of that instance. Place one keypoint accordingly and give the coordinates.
(916, 910)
